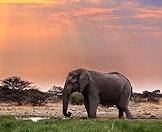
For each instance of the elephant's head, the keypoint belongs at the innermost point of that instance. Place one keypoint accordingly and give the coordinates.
(76, 80)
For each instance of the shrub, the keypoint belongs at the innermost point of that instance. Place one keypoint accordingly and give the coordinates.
(56, 94)
(34, 97)
(27, 96)
(76, 98)
(147, 96)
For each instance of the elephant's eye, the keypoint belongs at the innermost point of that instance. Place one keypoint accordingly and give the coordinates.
(74, 80)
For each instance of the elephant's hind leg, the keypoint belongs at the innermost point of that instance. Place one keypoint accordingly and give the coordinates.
(124, 107)
(123, 102)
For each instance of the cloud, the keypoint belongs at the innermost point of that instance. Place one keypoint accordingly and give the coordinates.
(155, 3)
(27, 1)
(146, 13)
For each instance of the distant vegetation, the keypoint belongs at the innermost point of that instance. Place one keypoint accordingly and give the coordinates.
(16, 83)
(147, 96)
(16, 89)
(56, 93)
(76, 98)
(10, 124)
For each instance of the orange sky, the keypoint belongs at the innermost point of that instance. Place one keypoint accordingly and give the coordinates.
(26, 1)
(41, 41)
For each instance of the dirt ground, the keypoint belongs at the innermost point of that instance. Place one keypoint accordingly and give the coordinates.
(139, 110)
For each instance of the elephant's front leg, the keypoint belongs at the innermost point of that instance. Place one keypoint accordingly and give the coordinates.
(93, 101)
(86, 103)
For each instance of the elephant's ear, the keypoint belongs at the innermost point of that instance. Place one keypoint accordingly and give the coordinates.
(83, 80)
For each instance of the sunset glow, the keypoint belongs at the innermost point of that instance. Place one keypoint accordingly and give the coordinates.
(42, 40)
(26, 1)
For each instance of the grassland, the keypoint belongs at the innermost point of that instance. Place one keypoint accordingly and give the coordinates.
(11, 124)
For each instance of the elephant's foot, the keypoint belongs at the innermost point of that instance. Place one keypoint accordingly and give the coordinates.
(129, 115)
(92, 116)
(120, 117)
(120, 114)
(66, 114)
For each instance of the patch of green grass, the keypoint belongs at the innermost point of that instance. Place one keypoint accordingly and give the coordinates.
(10, 124)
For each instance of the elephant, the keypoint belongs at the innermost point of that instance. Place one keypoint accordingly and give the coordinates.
(98, 88)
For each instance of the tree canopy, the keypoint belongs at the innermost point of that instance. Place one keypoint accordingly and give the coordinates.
(16, 83)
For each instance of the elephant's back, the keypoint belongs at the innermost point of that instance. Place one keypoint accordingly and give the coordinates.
(112, 84)
(121, 76)
(106, 81)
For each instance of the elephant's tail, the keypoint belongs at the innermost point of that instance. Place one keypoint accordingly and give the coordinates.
(131, 93)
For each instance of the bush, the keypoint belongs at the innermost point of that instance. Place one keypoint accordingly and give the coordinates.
(147, 96)
(76, 98)
(34, 97)
(56, 94)
(27, 96)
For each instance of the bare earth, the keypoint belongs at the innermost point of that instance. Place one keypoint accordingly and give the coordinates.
(139, 110)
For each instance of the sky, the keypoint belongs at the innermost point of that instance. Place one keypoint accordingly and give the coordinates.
(42, 40)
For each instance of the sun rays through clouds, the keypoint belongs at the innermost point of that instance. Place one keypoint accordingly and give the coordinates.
(50, 37)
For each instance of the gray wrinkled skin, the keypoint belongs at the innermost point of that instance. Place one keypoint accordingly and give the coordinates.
(98, 88)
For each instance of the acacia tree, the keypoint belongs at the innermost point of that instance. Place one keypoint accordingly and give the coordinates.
(16, 83)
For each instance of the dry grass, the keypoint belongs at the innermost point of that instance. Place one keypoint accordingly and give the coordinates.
(139, 110)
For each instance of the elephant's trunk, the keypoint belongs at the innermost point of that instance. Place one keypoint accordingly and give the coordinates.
(66, 95)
